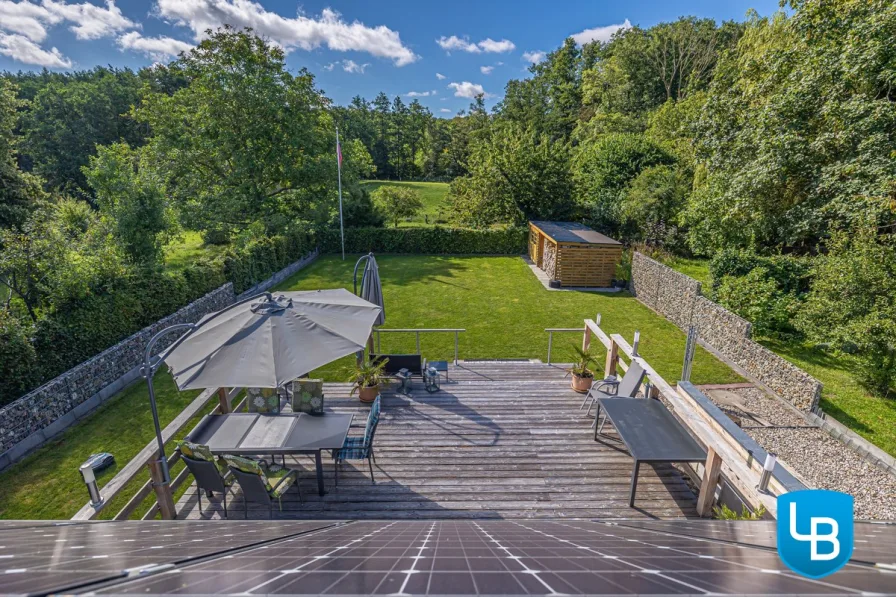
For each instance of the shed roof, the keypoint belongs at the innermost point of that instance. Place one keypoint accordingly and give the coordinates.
(573, 232)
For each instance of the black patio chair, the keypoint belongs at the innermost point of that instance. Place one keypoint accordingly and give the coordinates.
(265, 486)
(208, 479)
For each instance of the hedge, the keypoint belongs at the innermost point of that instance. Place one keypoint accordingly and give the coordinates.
(73, 332)
(435, 240)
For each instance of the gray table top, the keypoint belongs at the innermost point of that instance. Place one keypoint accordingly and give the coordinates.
(650, 432)
(258, 434)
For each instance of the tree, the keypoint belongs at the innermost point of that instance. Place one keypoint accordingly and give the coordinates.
(71, 114)
(516, 174)
(652, 203)
(397, 203)
(132, 201)
(246, 140)
(19, 192)
(853, 301)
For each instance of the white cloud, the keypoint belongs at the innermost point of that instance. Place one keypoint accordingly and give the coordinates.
(27, 19)
(91, 21)
(420, 93)
(486, 70)
(497, 47)
(534, 56)
(330, 66)
(159, 48)
(445, 111)
(465, 45)
(19, 47)
(440, 77)
(350, 66)
(306, 33)
(602, 34)
(468, 90)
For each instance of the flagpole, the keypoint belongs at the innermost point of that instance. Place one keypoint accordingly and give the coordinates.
(339, 168)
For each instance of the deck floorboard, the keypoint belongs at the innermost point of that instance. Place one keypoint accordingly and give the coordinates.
(501, 440)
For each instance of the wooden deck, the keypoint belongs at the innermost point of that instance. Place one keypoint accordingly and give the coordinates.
(501, 440)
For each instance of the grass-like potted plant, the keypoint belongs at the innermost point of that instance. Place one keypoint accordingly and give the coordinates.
(365, 377)
(582, 375)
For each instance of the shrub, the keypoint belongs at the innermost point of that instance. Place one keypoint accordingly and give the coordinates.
(260, 258)
(757, 298)
(397, 203)
(359, 211)
(18, 360)
(435, 240)
(791, 274)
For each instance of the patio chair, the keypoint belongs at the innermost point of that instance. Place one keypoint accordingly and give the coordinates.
(262, 483)
(627, 387)
(306, 396)
(211, 474)
(359, 448)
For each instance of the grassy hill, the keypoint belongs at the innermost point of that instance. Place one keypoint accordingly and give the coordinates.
(433, 194)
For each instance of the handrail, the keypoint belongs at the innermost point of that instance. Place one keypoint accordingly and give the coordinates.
(417, 332)
(132, 469)
(551, 331)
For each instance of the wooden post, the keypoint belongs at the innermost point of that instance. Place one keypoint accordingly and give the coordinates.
(612, 357)
(712, 470)
(586, 338)
(162, 489)
(224, 401)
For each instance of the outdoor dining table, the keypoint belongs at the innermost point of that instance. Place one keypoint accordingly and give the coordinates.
(650, 432)
(255, 434)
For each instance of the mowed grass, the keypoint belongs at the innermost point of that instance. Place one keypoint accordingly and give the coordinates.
(504, 310)
(47, 484)
(432, 193)
(187, 249)
(842, 397)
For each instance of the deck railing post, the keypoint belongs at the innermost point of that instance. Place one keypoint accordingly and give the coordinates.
(224, 401)
(378, 342)
(418, 343)
(455, 347)
(550, 343)
(586, 339)
(712, 469)
(612, 357)
(162, 489)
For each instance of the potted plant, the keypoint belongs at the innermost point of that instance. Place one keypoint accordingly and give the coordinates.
(582, 376)
(365, 377)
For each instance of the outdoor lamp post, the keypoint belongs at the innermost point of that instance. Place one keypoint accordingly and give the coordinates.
(96, 500)
(767, 468)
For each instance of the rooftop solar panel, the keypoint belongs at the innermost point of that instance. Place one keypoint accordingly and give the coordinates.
(502, 557)
(48, 557)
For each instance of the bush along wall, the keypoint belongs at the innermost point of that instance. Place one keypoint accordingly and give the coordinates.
(436, 240)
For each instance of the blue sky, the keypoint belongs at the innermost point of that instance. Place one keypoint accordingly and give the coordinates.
(441, 53)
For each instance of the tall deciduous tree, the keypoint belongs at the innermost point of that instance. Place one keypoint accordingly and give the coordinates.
(246, 140)
(19, 191)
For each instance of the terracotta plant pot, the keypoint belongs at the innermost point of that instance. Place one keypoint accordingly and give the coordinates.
(581, 384)
(369, 393)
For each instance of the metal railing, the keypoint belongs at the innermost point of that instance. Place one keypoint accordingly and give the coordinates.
(417, 332)
(551, 332)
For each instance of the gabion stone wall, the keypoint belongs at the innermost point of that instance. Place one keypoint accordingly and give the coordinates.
(42, 407)
(677, 297)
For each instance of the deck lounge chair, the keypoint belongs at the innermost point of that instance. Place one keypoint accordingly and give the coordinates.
(627, 387)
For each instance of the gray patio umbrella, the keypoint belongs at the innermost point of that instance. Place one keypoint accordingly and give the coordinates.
(372, 288)
(272, 339)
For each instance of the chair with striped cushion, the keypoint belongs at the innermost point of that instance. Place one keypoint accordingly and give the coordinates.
(359, 448)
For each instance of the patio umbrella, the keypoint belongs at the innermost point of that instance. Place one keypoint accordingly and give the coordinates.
(271, 339)
(372, 288)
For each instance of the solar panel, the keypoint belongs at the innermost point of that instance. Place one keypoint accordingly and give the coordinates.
(47, 556)
(875, 542)
(502, 557)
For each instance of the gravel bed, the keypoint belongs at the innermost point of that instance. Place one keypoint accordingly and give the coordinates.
(821, 460)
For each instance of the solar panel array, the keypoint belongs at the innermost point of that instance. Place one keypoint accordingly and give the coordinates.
(419, 558)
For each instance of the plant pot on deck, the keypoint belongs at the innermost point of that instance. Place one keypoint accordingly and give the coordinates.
(368, 393)
(581, 383)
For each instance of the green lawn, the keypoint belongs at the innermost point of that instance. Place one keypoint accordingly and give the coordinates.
(842, 397)
(695, 268)
(504, 310)
(187, 249)
(497, 299)
(432, 193)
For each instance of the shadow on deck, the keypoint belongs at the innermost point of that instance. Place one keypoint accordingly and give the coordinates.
(501, 440)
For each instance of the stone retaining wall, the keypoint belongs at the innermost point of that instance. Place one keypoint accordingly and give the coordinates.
(678, 298)
(43, 413)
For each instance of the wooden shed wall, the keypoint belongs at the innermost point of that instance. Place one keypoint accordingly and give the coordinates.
(587, 265)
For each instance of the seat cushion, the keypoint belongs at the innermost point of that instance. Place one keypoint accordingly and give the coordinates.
(263, 400)
(270, 473)
(274, 475)
(354, 448)
(307, 395)
(195, 451)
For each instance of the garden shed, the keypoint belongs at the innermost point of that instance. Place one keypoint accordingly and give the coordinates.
(573, 254)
